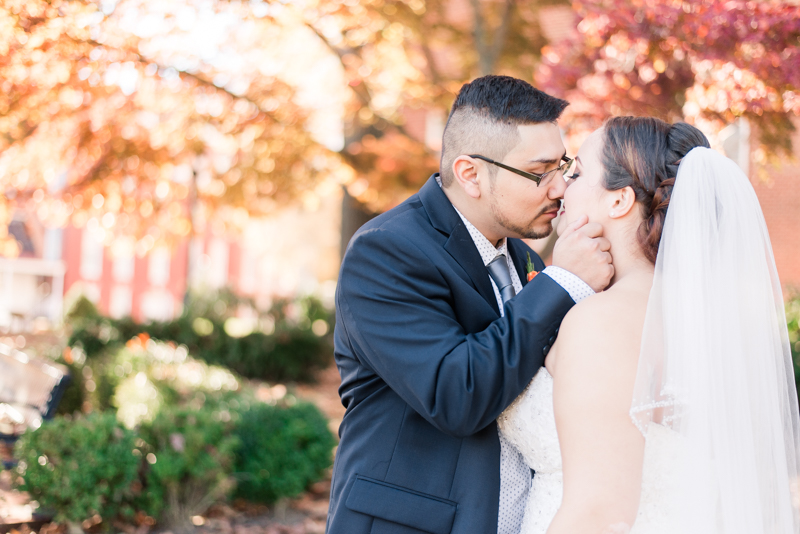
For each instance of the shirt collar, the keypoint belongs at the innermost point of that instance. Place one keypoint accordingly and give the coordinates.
(485, 247)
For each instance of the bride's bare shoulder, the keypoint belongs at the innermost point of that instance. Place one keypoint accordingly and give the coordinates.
(613, 312)
(605, 328)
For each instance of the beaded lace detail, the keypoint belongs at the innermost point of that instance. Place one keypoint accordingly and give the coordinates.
(529, 424)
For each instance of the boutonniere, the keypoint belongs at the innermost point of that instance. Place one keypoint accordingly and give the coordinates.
(532, 272)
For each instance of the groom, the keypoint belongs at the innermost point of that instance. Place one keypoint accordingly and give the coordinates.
(437, 331)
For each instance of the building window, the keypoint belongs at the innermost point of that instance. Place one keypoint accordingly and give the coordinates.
(247, 272)
(91, 256)
(124, 262)
(53, 241)
(121, 301)
(158, 306)
(123, 268)
(158, 267)
(218, 263)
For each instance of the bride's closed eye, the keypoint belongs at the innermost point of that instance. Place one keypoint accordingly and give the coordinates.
(575, 168)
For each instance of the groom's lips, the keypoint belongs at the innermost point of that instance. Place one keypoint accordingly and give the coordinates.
(552, 213)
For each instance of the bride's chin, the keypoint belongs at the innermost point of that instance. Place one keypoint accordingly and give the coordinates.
(562, 225)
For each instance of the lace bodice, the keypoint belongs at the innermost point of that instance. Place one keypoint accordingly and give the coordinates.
(529, 424)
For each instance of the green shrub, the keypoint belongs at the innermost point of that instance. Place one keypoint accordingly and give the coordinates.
(75, 393)
(190, 455)
(286, 346)
(90, 330)
(284, 450)
(793, 323)
(92, 343)
(288, 350)
(80, 468)
(150, 375)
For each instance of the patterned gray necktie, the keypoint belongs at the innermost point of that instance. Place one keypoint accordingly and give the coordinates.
(498, 270)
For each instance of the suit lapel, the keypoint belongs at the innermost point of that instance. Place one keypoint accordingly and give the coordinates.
(459, 245)
(462, 248)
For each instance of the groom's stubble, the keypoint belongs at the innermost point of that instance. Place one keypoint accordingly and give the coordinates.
(517, 229)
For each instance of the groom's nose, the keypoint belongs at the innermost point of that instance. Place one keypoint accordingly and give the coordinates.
(557, 189)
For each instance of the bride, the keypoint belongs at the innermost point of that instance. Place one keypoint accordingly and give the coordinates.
(667, 404)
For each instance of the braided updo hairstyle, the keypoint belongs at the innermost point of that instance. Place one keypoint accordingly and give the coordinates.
(644, 153)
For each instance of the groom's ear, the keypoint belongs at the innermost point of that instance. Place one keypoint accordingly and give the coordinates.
(622, 202)
(465, 170)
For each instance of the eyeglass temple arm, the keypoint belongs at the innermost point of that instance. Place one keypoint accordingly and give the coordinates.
(528, 175)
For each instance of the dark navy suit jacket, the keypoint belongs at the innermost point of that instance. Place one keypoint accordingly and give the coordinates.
(427, 364)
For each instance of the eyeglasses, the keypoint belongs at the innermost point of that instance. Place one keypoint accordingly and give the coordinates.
(538, 178)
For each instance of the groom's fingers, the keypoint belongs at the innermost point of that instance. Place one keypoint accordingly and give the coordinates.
(575, 226)
(592, 230)
(604, 245)
(595, 232)
(583, 251)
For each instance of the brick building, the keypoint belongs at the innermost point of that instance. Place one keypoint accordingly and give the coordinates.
(294, 252)
(778, 190)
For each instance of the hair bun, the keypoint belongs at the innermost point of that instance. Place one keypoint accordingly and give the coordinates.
(644, 153)
(683, 137)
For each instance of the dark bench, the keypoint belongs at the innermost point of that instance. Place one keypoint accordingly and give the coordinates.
(30, 390)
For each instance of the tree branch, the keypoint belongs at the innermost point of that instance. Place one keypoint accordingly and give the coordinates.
(484, 59)
(199, 79)
(436, 78)
(362, 93)
(500, 34)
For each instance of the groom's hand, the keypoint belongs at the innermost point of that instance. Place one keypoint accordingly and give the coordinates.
(583, 251)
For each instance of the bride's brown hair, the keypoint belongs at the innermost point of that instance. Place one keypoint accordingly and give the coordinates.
(644, 153)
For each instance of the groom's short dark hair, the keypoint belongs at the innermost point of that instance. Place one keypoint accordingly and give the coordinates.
(485, 116)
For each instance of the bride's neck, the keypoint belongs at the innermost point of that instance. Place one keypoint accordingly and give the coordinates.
(627, 255)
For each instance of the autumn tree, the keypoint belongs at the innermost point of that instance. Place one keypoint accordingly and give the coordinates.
(103, 124)
(705, 62)
(403, 58)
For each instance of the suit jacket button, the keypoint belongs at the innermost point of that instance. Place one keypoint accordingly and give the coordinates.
(552, 340)
(546, 349)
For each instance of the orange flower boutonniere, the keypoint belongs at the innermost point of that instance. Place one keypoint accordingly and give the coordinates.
(532, 272)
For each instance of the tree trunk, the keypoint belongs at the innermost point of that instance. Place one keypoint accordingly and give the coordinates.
(354, 216)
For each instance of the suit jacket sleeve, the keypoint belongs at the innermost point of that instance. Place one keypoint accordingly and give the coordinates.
(397, 311)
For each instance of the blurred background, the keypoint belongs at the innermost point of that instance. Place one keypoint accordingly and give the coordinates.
(181, 177)
(151, 148)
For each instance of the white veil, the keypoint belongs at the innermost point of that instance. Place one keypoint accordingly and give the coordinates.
(715, 365)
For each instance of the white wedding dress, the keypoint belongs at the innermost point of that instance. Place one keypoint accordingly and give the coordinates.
(529, 424)
(715, 369)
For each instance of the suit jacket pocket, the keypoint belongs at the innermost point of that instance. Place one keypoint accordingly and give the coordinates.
(401, 505)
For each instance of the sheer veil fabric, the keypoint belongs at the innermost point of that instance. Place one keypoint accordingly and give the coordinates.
(715, 365)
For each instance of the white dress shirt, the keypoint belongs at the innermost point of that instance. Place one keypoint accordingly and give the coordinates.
(515, 475)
